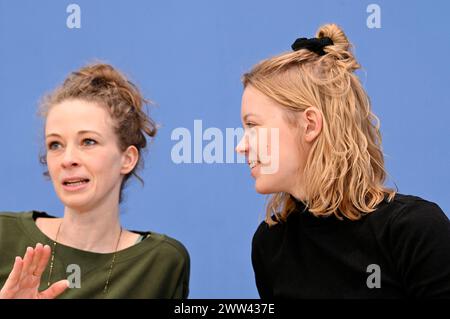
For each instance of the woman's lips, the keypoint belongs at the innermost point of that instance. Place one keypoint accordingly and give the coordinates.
(72, 187)
(254, 169)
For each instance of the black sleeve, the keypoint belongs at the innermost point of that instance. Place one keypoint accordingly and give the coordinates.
(259, 262)
(420, 241)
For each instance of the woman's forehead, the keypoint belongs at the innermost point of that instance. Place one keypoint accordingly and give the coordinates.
(79, 116)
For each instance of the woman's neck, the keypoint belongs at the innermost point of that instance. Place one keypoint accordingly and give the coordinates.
(95, 230)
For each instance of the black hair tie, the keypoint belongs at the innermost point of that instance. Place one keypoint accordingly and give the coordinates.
(313, 44)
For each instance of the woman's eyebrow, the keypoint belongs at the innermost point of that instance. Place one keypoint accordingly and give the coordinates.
(89, 131)
(246, 116)
(79, 133)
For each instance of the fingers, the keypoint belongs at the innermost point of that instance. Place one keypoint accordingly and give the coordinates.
(28, 260)
(55, 290)
(27, 277)
(36, 258)
(14, 275)
(42, 263)
(33, 263)
(26, 274)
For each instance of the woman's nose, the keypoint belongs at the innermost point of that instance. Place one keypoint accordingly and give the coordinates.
(242, 147)
(70, 158)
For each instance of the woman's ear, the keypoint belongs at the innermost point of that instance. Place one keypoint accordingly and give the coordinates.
(312, 123)
(129, 159)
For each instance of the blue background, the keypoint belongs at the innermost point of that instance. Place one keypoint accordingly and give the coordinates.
(188, 57)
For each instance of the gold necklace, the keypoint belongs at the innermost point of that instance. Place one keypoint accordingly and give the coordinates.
(105, 289)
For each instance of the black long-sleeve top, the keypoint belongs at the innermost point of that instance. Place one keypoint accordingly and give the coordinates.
(401, 250)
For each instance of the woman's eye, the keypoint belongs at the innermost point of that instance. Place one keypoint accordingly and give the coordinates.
(53, 145)
(89, 141)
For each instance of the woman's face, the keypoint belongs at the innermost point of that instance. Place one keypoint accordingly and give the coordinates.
(83, 157)
(271, 145)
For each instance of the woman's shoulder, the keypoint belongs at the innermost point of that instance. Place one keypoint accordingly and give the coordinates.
(405, 200)
(267, 234)
(403, 212)
(11, 216)
(168, 245)
(409, 219)
(23, 214)
(409, 208)
(13, 225)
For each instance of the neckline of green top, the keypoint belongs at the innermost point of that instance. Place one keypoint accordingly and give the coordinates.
(27, 222)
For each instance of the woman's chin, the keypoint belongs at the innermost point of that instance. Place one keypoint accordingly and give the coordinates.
(76, 204)
(263, 186)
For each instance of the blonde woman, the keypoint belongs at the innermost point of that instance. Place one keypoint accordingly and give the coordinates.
(95, 129)
(332, 229)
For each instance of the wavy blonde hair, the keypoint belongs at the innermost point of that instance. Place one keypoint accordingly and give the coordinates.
(344, 172)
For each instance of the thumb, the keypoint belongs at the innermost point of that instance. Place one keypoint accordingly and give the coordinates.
(54, 290)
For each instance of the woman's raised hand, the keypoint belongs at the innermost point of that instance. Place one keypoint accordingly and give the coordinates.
(25, 277)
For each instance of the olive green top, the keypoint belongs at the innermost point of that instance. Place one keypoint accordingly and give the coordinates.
(156, 267)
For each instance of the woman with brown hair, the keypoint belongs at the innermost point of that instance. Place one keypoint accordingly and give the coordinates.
(95, 129)
(332, 229)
